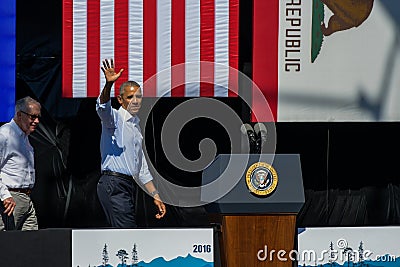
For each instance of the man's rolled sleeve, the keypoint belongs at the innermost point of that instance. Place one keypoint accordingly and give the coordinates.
(4, 193)
(144, 174)
(104, 111)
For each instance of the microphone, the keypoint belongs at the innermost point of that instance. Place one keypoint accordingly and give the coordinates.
(261, 133)
(246, 129)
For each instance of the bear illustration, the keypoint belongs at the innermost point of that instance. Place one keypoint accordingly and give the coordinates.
(346, 14)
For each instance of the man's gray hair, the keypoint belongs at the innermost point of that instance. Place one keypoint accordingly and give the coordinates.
(127, 84)
(23, 104)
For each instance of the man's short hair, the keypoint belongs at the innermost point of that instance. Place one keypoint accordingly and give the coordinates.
(127, 84)
(23, 104)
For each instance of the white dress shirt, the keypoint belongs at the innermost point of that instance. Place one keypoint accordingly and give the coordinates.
(16, 159)
(121, 143)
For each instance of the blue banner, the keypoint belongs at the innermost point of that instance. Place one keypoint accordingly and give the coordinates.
(7, 59)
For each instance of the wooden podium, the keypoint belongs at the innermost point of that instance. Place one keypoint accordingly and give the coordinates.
(258, 227)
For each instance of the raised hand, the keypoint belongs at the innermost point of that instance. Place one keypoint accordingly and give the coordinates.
(109, 70)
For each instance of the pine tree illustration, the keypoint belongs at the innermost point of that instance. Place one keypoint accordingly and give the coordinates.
(361, 253)
(135, 259)
(105, 255)
(331, 254)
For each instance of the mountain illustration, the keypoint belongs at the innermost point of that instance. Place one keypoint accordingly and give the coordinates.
(385, 261)
(188, 261)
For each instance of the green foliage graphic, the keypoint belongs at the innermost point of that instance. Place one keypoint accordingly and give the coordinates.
(316, 33)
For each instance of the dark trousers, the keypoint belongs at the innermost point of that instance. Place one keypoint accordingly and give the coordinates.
(117, 196)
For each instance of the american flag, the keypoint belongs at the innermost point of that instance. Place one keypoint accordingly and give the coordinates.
(146, 37)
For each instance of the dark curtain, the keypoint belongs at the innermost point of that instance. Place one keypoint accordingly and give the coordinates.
(68, 163)
(368, 206)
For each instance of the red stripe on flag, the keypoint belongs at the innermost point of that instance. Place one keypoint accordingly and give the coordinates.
(178, 48)
(93, 48)
(265, 58)
(149, 46)
(121, 41)
(207, 39)
(67, 49)
(233, 47)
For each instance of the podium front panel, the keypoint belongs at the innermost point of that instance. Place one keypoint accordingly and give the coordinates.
(288, 197)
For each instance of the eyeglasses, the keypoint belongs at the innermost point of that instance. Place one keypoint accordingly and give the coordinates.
(31, 116)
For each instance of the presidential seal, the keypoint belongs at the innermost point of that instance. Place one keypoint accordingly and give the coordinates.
(261, 179)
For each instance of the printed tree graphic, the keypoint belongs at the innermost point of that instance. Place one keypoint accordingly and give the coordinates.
(122, 255)
(105, 255)
(134, 255)
(331, 254)
(361, 252)
(349, 252)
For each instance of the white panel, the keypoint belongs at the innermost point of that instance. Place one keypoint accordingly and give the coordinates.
(172, 245)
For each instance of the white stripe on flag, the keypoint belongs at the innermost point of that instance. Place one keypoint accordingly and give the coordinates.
(164, 47)
(79, 55)
(106, 34)
(136, 41)
(192, 51)
(221, 76)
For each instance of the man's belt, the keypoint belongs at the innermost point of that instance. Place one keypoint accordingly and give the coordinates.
(27, 191)
(117, 174)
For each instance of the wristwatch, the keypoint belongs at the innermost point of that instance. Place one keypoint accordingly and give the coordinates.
(155, 192)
